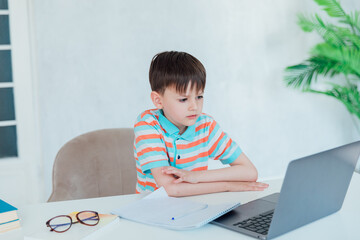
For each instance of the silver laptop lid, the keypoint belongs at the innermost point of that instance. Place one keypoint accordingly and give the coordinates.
(314, 187)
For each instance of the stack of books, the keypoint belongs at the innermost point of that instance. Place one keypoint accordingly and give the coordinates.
(9, 219)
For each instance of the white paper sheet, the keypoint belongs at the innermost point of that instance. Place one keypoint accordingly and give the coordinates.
(160, 210)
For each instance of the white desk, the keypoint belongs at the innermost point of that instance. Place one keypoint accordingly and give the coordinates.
(341, 225)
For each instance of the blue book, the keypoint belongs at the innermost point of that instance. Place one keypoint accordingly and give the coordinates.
(8, 216)
(5, 207)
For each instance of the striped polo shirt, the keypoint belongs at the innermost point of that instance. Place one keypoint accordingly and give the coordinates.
(158, 143)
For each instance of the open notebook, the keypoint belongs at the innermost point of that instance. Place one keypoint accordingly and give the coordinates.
(158, 209)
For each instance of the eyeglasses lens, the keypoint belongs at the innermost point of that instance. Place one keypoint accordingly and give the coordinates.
(88, 218)
(60, 224)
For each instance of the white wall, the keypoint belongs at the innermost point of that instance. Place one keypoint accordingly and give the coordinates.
(92, 60)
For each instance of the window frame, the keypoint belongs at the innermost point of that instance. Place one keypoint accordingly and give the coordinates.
(27, 166)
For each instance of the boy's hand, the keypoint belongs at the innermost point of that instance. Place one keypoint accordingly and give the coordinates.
(192, 177)
(181, 175)
(247, 186)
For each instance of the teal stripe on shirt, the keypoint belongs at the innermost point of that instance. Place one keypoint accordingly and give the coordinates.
(213, 133)
(233, 156)
(160, 163)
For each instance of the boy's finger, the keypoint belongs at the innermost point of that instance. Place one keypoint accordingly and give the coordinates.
(165, 169)
(259, 184)
(172, 172)
(179, 180)
(169, 170)
(253, 186)
(263, 184)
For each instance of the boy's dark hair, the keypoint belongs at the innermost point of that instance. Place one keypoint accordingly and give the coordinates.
(176, 69)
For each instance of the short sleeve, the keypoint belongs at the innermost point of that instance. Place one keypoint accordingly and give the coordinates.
(221, 146)
(150, 148)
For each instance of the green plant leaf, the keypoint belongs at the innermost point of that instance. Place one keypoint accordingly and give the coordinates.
(348, 58)
(302, 75)
(355, 20)
(326, 31)
(332, 8)
(306, 24)
(339, 54)
(350, 39)
(348, 95)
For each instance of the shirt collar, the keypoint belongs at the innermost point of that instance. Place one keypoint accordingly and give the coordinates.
(171, 129)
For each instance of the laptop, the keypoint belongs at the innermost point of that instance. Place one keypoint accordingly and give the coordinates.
(313, 187)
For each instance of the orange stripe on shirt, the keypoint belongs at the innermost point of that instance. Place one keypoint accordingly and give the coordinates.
(201, 126)
(139, 170)
(154, 161)
(143, 123)
(144, 184)
(200, 168)
(193, 144)
(212, 126)
(147, 112)
(151, 149)
(141, 183)
(211, 150)
(190, 159)
(226, 147)
(148, 136)
(169, 144)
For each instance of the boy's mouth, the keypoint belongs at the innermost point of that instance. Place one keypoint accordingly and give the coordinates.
(192, 116)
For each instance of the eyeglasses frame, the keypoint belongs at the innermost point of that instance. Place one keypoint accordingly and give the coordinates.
(71, 221)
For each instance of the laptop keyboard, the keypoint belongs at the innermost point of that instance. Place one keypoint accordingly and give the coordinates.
(259, 224)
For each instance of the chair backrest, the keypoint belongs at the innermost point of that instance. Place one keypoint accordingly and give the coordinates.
(96, 164)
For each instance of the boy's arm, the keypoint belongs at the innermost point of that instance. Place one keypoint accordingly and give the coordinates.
(187, 189)
(241, 170)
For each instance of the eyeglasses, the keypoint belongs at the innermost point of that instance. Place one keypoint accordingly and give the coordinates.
(62, 223)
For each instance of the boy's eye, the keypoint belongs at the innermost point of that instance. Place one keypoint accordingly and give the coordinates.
(182, 99)
(200, 97)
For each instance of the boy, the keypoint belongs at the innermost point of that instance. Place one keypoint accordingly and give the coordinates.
(174, 142)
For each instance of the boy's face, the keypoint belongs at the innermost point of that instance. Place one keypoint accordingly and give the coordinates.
(182, 109)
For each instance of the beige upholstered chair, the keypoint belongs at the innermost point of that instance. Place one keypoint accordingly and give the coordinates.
(95, 164)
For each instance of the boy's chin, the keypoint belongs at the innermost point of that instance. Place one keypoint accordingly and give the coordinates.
(190, 122)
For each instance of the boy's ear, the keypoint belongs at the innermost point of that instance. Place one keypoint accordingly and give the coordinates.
(156, 99)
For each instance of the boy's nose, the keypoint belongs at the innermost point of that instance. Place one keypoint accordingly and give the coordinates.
(193, 105)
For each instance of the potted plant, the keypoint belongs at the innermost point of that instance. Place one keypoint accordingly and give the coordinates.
(338, 54)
